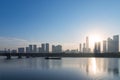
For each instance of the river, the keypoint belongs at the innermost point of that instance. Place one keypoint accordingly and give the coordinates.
(64, 69)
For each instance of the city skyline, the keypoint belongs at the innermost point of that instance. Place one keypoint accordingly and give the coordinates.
(110, 45)
(65, 22)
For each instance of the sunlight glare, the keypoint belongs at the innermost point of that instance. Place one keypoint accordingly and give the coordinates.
(93, 65)
(94, 38)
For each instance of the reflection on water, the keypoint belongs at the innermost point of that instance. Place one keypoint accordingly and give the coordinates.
(72, 68)
(113, 66)
(103, 68)
(91, 66)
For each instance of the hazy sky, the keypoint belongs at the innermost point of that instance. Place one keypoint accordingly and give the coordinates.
(57, 21)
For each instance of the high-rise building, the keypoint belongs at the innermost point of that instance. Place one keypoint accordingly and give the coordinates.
(104, 46)
(84, 48)
(113, 44)
(110, 45)
(20, 50)
(87, 43)
(27, 50)
(97, 48)
(116, 43)
(30, 49)
(43, 48)
(59, 48)
(56, 49)
(80, 46)
(34, 48)
(47, 48)
(53, 49)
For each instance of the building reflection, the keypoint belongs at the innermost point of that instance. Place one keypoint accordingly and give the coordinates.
(102, 66)
(113, 66)
(43, 64)
(36, 63)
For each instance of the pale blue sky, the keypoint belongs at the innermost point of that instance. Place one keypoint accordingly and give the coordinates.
(58, 21)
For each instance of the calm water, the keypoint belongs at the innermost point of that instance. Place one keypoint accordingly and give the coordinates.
(64, 69)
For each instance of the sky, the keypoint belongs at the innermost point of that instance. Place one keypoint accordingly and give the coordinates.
(65, 22)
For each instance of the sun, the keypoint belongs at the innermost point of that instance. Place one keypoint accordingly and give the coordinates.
(94, 38)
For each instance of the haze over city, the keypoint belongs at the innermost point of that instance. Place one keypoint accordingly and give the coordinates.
(65, 22)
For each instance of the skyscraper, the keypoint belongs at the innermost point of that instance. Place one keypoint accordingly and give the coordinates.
(84, 48)
(43, 48)
(104, 46)
(110, 45)
(97, 48)
(113, 44)
(27, 50)
(87, 43)
(116, 43)
(53, 49)
(59, 48)
(30, 48)
(80, 46)
(47, 48)
(34, 48)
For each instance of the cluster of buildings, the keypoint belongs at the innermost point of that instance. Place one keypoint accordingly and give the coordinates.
(86, 48)
(45, 48)
(56, 49)
(82, 48)
(34, 49)
(107, 46)
(111, 45)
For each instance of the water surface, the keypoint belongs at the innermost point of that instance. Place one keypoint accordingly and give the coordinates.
(66, 68)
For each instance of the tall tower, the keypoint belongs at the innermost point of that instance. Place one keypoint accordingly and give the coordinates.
(47, 47)
(30, 48)
(43, 48)
(27, 50)
(35, 48)
(110, 45)
(87, 43)
(116, 43)
(95, 47)
(53, 49)
(99, 47)
(84, 48)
